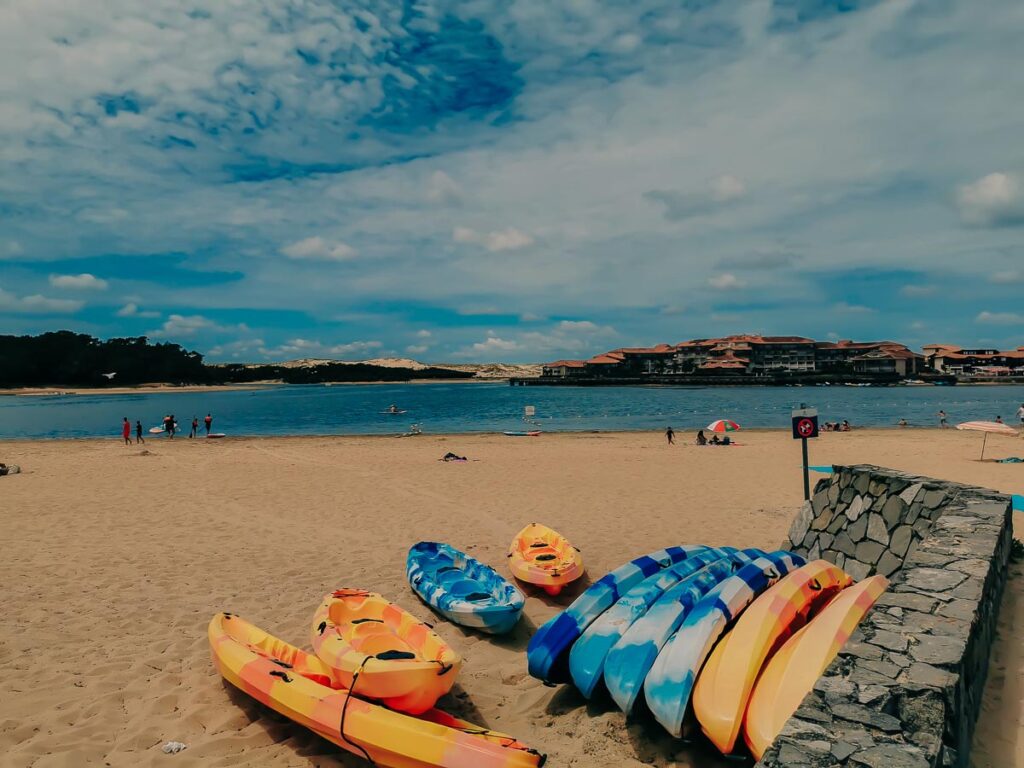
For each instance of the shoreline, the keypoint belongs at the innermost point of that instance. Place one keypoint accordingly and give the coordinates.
(159, 389)
(658, 434)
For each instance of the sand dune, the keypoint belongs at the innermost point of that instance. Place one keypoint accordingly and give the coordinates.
(115, 559)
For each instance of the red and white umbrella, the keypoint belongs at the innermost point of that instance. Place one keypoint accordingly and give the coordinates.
(987, 426)
(723, 425)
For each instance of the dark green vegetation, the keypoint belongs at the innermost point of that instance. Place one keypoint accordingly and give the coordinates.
(65, 358)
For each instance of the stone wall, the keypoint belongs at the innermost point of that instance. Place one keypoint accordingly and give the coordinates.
(905, 691)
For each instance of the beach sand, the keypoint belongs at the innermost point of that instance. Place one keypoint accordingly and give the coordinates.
(115, 558)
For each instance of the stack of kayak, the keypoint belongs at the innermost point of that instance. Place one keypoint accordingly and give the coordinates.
(737, 637)
(376, 672)
(369, 686)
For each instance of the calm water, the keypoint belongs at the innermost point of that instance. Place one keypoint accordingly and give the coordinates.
(450, 408)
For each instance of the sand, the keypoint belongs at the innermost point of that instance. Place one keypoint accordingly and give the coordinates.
(115, 558)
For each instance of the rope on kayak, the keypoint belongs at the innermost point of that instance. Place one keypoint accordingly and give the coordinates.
(344, 710)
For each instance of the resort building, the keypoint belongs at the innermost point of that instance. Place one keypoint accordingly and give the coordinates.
(747, 354)
(947, 358)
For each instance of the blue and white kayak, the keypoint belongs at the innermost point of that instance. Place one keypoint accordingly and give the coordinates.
(630, 659)
(588, 654)
(671, 679)
(547, 654)
(463, 589)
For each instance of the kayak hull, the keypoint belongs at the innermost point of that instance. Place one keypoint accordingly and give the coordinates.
(791, 673)
(299, 686)
(543, 557)
(722, 691)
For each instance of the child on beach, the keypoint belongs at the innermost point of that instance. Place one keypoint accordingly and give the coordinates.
(126, 431)
(670, 436)
(1020, 414)
(138, 433)
(942, 420)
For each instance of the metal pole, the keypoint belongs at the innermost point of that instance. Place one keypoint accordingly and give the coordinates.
(807, 479)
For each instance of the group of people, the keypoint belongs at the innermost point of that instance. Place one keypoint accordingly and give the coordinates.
(700, 439)
(170, 425)
(836, 426)
(944, 419)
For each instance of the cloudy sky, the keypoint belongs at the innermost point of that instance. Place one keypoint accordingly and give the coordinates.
(510, 179)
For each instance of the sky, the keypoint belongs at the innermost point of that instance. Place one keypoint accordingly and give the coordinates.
(513, 180)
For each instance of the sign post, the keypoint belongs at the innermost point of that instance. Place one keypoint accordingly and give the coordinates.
(805, 427)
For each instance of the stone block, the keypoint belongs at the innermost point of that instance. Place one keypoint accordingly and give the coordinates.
(859, 714)
(890, 756)
(856, 508)
(843, 543)
(819, 502)
(857, 569)
(911, 600)
(894, 511)
(833, 494)
(801, 524)
(859, 529)
(838, 523)
(927, 675)
(933, 579)
(900, 541)
(869, 551)
(934, 499)
(909, 494)
(821, 522)
(877, 530)
(825, 540)
(888, 564)
(937, 650)
(890, 640)
(861, 483)
(814, 553)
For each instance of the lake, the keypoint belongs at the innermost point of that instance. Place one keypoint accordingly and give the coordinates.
(486, 407)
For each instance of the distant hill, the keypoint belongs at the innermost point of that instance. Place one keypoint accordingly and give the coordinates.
(476, 370)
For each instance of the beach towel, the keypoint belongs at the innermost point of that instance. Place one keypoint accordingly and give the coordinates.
(1011, 460)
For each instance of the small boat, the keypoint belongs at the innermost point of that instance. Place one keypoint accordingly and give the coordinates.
(670, 682)
(302, 688)
(538, 555)
(532, 433)
(463, 589)
(547, 654)
(723, 688)
(400, 660)
(215, 435)
(793, 670)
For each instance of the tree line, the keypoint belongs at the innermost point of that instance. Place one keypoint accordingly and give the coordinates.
(65, 358)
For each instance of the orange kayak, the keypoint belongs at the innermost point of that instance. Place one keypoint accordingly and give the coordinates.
(399, 659)
(791, 673)
(723, 688)
(299, 686)
(541, 556)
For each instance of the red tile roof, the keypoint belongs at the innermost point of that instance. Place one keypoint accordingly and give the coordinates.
(566, 364)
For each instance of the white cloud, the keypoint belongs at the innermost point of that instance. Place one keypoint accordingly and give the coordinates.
(1007, 277)
(726, 188)
(442, 188)
(82, 282)
(423, 333)
(670, 310)
(918, 325)
(1000, 318)
(491, 345)
(131, 309)
(176, 326)
(567, 336)
(37, 304)
(852, 309)
(318, 249)
(417, 349)
(726, 282)
(917, 290)
(11, 249)
(300, 348)
(530, 317)
(510, 239)
(992, 200)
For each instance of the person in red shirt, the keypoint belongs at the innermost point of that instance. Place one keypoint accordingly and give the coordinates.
(126, 431)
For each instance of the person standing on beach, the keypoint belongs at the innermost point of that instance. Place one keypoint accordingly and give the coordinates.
(208, 422)
(195, 428)
(999, 419)
(670, 436)
(942, 420)
(138, 433)
(171, 423)
(126, 431)
(1020, 414)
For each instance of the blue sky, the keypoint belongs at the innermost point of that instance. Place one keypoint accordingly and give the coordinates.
(510, 180)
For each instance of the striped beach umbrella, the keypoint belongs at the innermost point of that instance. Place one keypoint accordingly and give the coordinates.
(722, 425)
(986, 427)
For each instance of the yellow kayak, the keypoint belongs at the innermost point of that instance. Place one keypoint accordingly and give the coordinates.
(400, 660)
(791, 673)
(541, 556)
(299, 686)
(723, 687)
